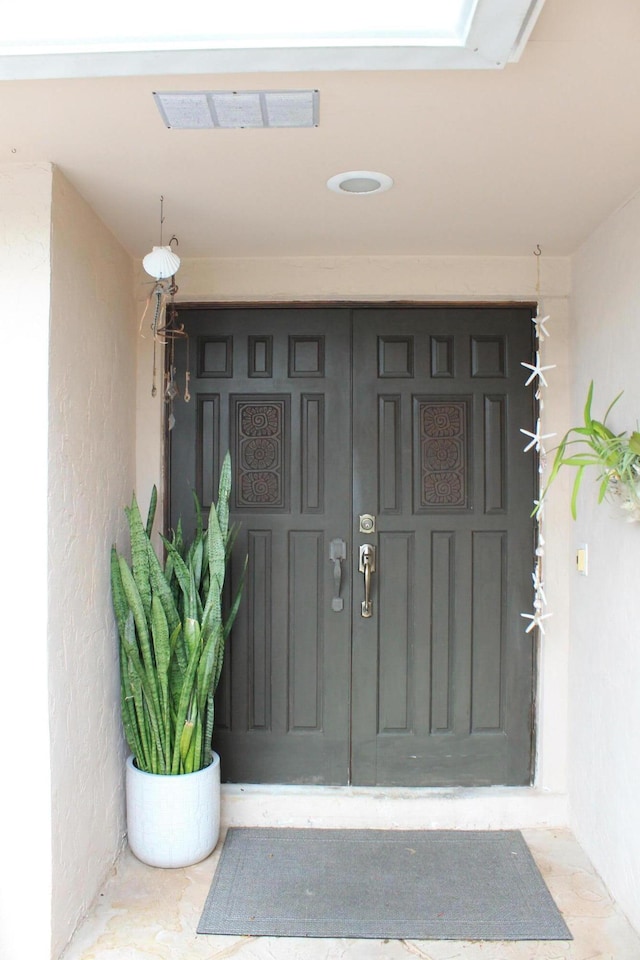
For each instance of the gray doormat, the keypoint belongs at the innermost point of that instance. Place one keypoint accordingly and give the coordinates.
(408, 885)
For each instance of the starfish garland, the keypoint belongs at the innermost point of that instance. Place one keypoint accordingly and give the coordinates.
(536, 442)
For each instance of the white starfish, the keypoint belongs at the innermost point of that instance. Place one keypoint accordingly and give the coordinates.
(539, 323)
(536, 620)
(536, 438)
(538, 587)
(537, 371)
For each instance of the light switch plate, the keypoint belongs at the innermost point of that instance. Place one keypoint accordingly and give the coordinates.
(582, 560)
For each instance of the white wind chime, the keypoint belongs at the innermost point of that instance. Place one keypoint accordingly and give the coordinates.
(162, 264)
(536, 443)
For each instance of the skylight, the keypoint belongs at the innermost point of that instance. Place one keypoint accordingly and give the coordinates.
(65, 39)
(253, 23)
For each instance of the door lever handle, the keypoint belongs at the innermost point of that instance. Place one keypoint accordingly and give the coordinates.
(367, 566)
(337, 553)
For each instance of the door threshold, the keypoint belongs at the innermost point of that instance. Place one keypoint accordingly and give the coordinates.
(401, 808)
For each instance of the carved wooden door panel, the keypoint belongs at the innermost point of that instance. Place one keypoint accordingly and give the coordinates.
(416, 422)
(443, 670)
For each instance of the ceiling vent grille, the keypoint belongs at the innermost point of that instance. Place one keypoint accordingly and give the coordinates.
(237, 109)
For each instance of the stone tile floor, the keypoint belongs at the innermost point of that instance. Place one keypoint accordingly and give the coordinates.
(144, 913)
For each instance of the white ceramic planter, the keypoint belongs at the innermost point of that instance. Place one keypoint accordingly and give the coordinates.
(173, 821)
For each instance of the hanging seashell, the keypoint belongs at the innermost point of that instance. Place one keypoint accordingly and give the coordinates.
(161, 263)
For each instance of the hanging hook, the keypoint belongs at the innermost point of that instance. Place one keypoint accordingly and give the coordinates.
(537, 252)
(174, 239)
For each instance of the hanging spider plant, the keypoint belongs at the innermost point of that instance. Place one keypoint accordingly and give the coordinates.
(616, 457)
(172, 635)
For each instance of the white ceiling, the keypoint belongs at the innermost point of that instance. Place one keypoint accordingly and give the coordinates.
(484, 162)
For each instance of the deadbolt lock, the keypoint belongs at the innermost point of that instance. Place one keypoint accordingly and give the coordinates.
(367, 523)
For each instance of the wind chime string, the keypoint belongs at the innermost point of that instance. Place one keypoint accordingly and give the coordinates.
(536, 443)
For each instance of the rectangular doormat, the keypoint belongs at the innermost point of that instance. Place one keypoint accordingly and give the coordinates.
(381, 884)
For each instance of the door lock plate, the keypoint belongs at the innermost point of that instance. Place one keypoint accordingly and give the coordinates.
(367, 523)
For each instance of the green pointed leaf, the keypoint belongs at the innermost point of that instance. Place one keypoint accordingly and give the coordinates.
(196, 561)
(601, 431)
(224, 492)
(162, 589)
(129, 689)
(587, 406)
(236, 601)
(198, 509)
(139, 555)
(207, 736)
(120, 603)
(152, 510)
(149, 703)
(576, 489)
(185, 744)
(604, 486)
(612, 405)
(185, 579)
(186, 694)
(191, 634)
(581, 460)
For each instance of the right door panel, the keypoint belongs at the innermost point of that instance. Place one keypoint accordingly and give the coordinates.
(442, 670)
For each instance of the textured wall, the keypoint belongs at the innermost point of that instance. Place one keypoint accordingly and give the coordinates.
(25, 826)
(605, 651)
(91, 463)
(470, 279)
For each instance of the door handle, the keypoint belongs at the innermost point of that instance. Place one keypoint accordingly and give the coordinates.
(367, 566)
(337, 553)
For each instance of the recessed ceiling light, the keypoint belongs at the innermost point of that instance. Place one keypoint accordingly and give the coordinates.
(360, 182)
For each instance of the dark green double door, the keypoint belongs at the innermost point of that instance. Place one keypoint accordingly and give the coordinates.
(410, 416)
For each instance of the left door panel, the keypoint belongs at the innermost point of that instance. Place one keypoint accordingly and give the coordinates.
(273, 386)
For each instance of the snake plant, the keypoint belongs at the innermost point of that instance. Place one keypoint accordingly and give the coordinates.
(172, 635)
(616, 456)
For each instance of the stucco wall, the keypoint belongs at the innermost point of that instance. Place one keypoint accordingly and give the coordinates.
(25, 826)
(604, 751)
(447, 279)
(91, 477)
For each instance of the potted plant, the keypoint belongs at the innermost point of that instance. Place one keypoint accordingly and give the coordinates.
(616, 457)
(172, 638)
